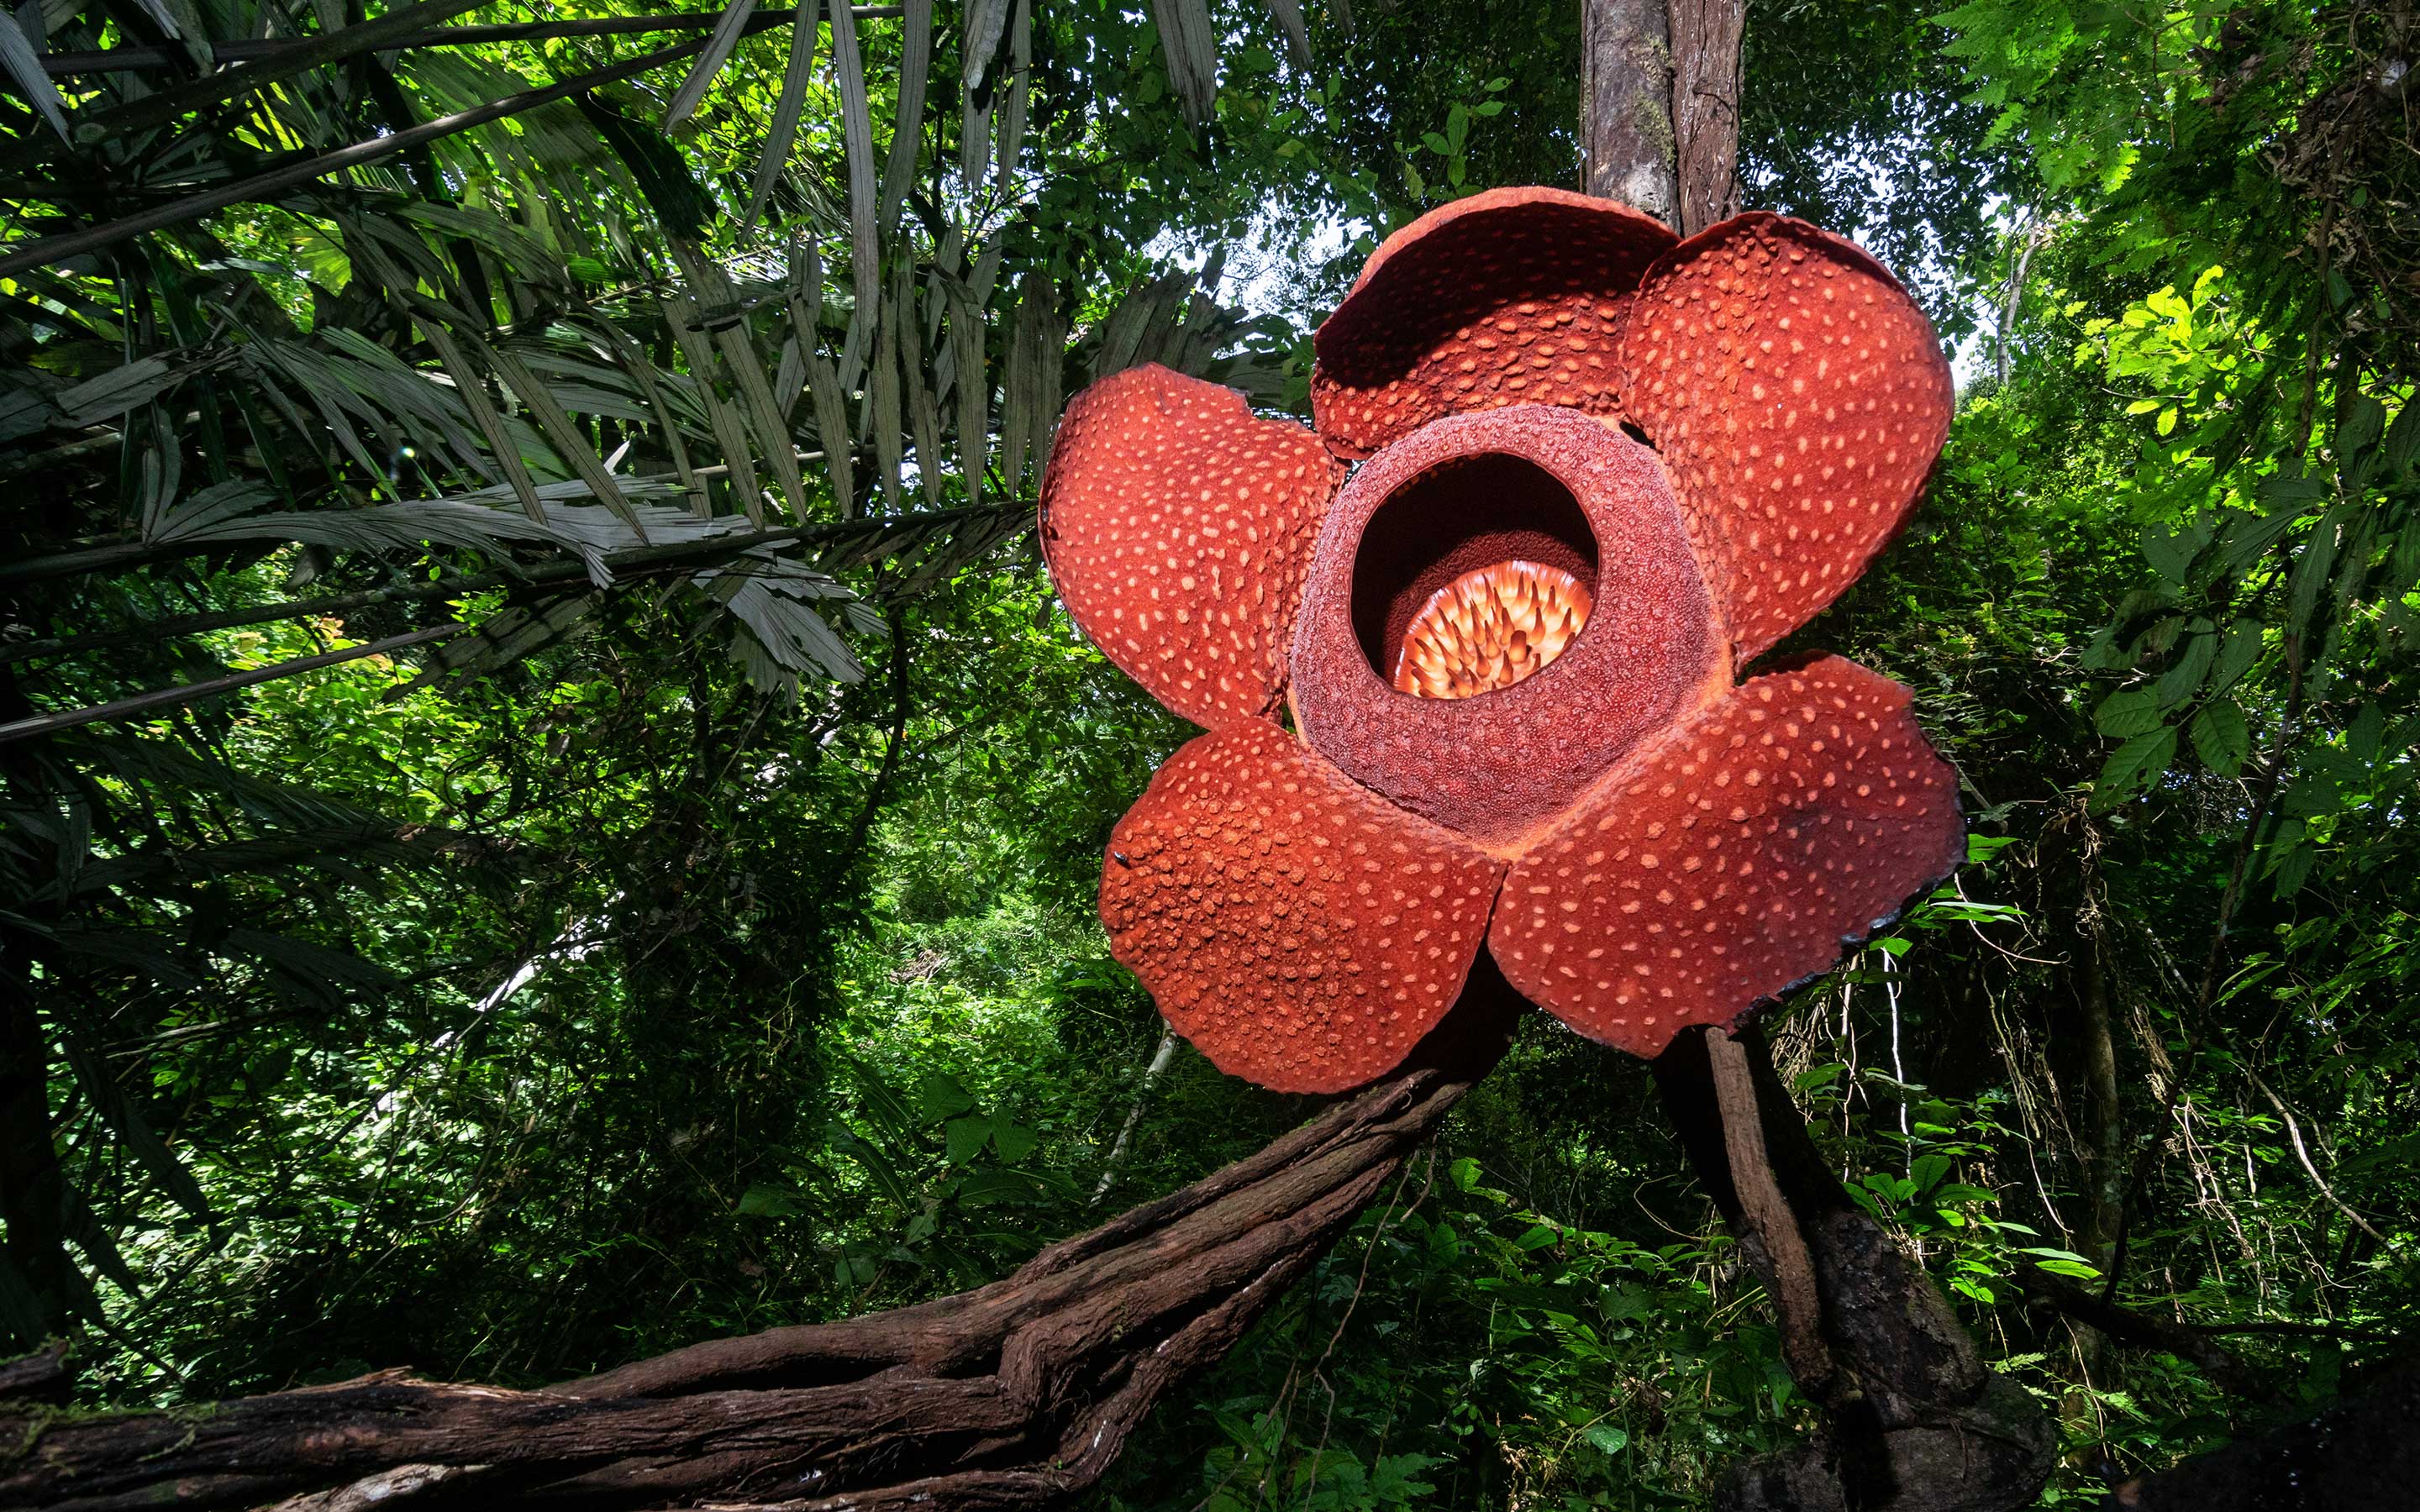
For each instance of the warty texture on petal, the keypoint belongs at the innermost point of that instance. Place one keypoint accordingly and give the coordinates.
(1177, 525)
(1509, 297)
(1798, 397)
(1300, 931)
(1732, 859)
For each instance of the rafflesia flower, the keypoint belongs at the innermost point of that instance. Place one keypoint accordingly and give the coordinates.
(1483, 694)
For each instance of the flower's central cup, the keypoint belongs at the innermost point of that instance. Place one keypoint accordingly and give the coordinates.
(1473, 576)
(1500, 607)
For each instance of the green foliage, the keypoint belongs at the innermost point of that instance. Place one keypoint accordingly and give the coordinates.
(702, 938)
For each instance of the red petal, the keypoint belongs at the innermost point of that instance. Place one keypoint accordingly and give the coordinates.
(1732, 859)
(1301, 931)
(1177, 525)
(1509, 297)
(1798, 397)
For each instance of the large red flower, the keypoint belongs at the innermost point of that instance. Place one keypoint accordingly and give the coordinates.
(1605, 471)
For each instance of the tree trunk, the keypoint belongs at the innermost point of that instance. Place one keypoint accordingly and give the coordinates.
(1915, 1422)
(1659, 127)
(1017, 1395)
(1626, 137)
(2106, 1112)
(1705, 108)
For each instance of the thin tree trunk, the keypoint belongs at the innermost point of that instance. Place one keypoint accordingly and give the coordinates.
(1626, 137)
(2104, 1113)
(1705, 109)
(1914, 1421)
(1159, 1059)
(2035, 233)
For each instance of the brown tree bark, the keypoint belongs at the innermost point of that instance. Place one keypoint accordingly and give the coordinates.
(1627, 145)
(1914, 1421)
(2106, 1112)
(1705, 108)
(1018, 1395)
(1659, 128)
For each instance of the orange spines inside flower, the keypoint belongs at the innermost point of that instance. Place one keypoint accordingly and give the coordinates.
(1490, 628)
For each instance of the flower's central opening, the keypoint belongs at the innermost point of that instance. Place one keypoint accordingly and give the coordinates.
(1474, 575)
(1489, 629)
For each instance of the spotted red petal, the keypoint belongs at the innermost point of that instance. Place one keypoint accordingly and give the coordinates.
(1732, 859)
(1177, 524)
(1798, 397)
(1300, 931)
(1509, 297)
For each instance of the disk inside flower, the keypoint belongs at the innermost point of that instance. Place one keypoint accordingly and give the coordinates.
(1490, 628)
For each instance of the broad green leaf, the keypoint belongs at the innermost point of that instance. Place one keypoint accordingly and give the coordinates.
(990, 1186)
(940, 1096)
(2356, 443)
(763, 1201)
(2187, 669)
(2135, 766)
(2403, 441)
(880, 1101)
(877, 1165)
(1014, 1141)
(2235, 659)
(2250, 537)
(965, 1138)
(2221, 738)
(2128, 712)
(2313, 567)
(2366, 735)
